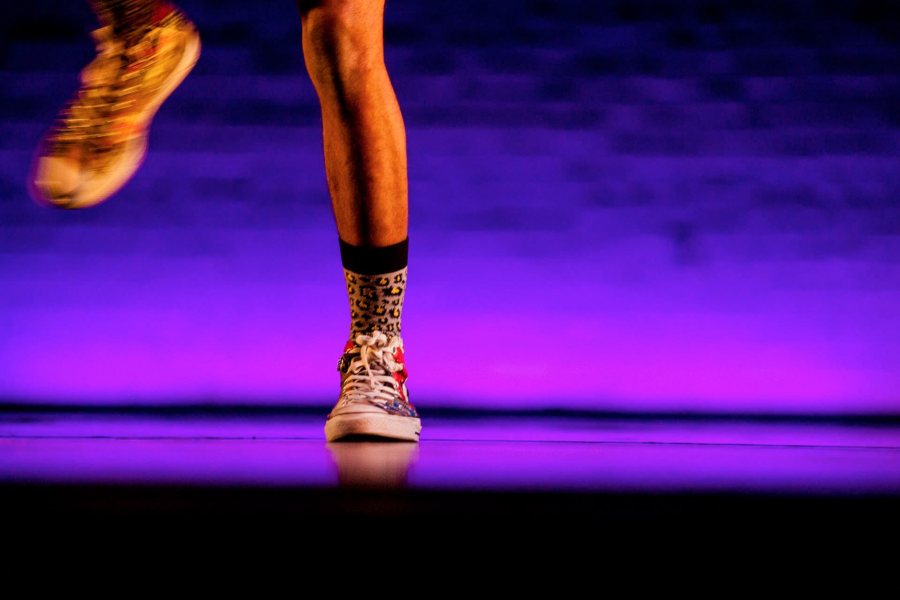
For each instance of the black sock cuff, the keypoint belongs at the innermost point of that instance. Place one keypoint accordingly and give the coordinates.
(374, 260)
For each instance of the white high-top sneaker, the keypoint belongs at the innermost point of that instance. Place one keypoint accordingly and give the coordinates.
(374, 400)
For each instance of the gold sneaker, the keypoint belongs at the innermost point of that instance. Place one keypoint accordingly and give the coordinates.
(100, 137)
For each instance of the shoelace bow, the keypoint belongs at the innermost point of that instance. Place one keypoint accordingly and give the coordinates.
(106, 85)
(362, 382)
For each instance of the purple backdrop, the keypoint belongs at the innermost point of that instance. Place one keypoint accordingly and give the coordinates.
(637, 206)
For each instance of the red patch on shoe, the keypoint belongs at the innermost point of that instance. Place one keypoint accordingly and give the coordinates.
(400, 389)
(162, 10)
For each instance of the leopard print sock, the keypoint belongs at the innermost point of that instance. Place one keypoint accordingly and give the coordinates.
(376, 301)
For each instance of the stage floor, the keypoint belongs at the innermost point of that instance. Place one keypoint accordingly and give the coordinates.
(488, 453)
(110, 468)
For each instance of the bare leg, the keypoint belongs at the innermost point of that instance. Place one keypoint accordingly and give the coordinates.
(363, 132)
(365, 165)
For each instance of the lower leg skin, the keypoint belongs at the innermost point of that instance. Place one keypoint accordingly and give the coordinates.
(365, 165)
(363, 132)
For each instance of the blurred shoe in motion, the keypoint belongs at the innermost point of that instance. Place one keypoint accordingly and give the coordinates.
(100, 136)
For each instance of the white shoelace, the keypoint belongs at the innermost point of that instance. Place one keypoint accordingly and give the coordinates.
(365, 384)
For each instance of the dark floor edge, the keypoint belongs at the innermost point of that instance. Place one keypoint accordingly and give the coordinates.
(438, 411)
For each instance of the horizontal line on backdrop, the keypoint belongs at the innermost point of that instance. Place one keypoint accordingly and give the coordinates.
(444, 411)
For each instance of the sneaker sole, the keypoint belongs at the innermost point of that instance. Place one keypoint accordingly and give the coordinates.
(134, 155)
(375, 424)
